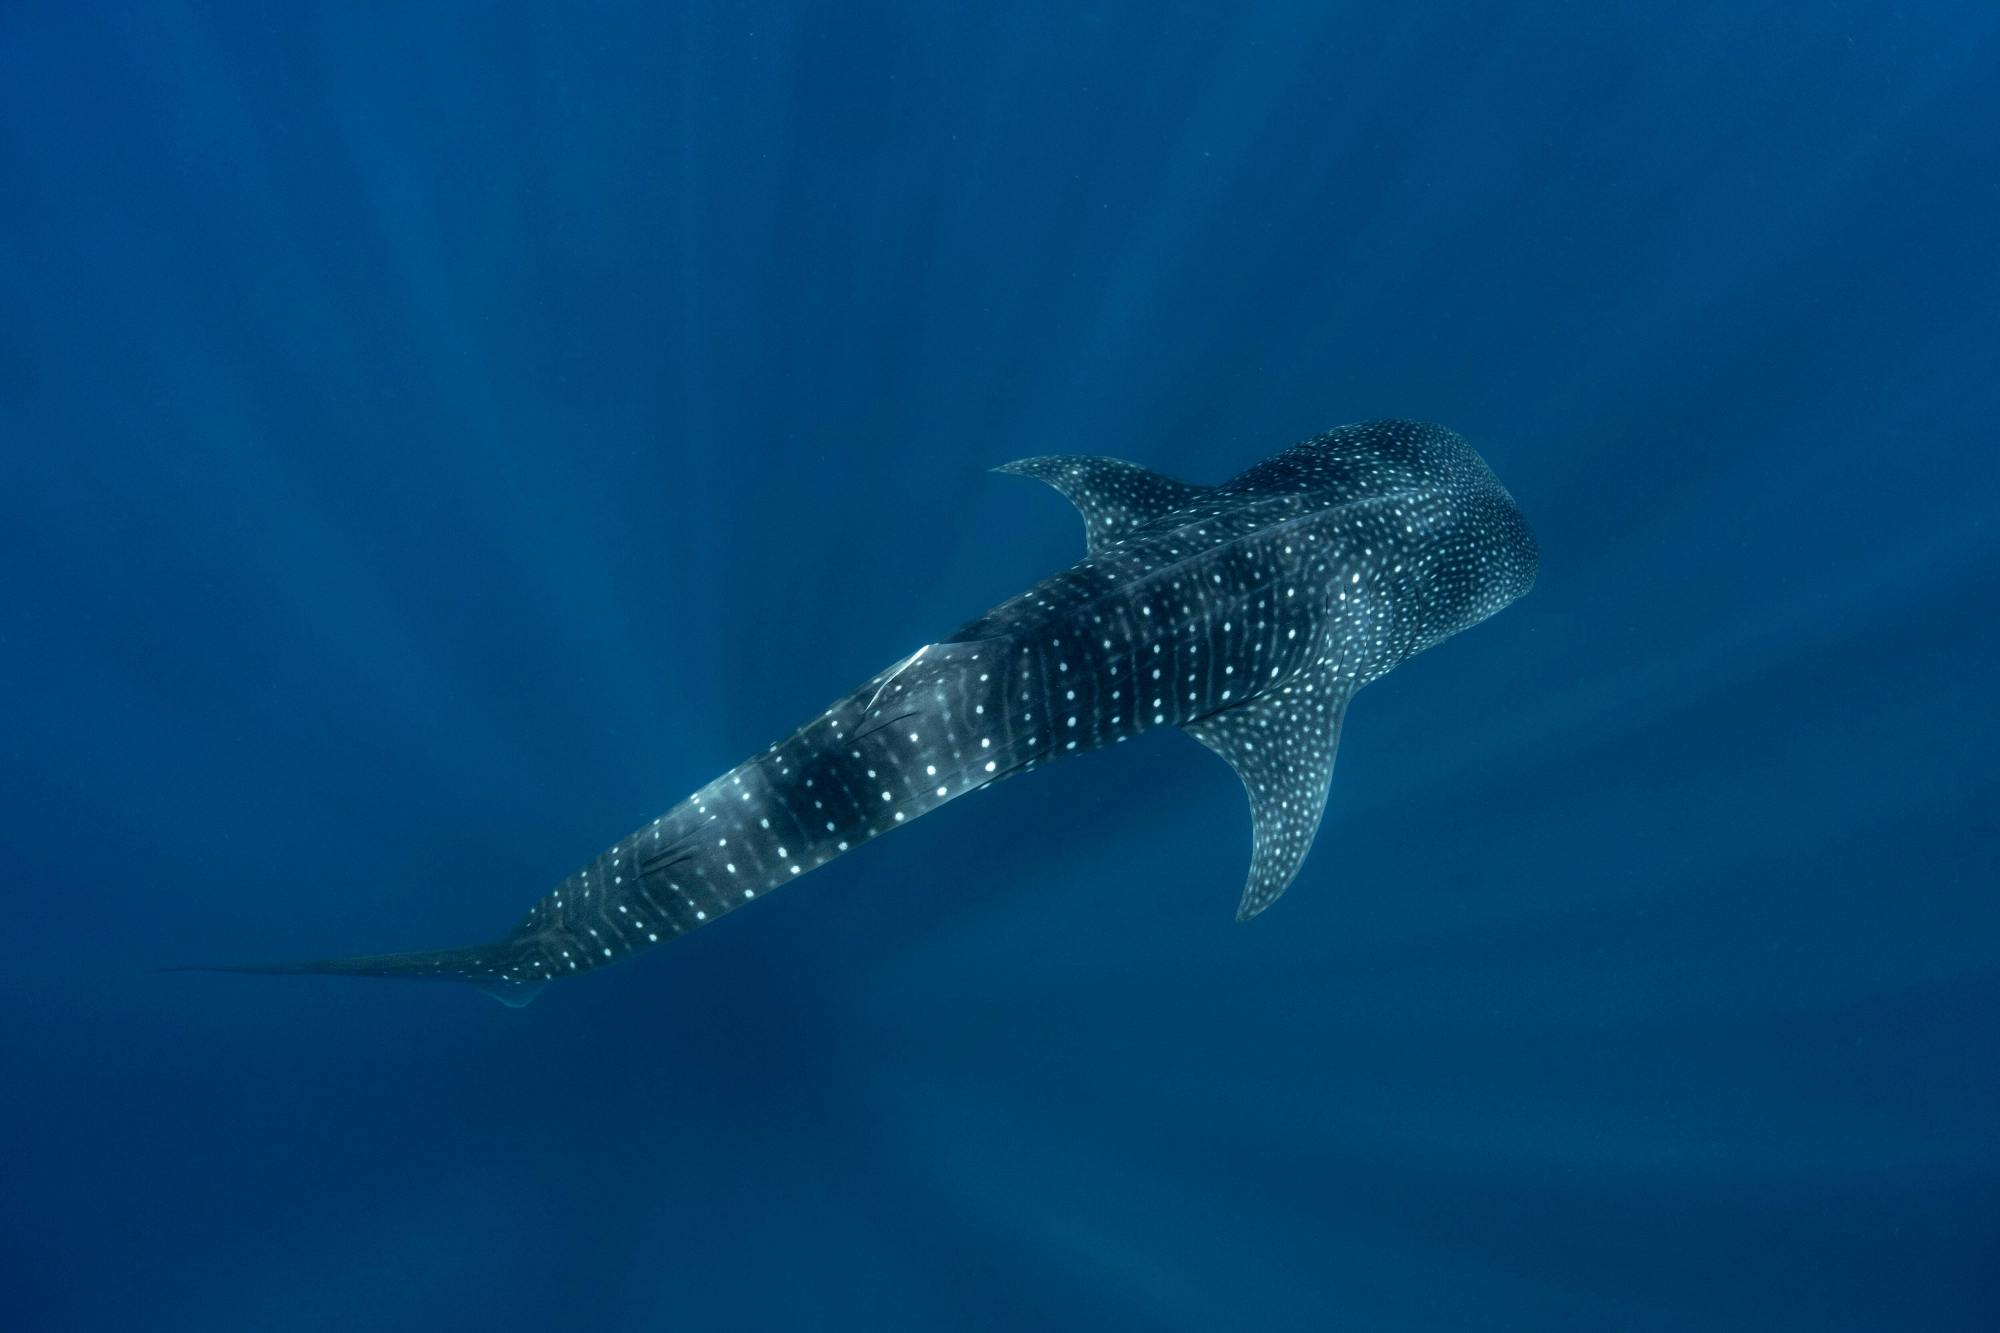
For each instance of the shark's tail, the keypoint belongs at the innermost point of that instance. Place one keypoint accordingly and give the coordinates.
(490, 968)
(931, 728)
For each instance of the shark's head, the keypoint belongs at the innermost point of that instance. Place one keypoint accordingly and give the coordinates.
(1508, 558)
(1492, 557)
(1520, 560)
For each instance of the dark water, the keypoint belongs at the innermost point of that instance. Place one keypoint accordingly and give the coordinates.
(438, 437)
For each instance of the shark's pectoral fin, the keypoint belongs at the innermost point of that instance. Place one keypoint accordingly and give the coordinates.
(1282, 745)
(1113, 496)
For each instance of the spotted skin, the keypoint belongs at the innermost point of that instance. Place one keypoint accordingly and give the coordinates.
(1247, 614)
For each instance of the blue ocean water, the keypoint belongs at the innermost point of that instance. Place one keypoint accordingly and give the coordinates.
(435, 438)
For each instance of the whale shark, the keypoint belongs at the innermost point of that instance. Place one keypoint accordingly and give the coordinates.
(1246, 614)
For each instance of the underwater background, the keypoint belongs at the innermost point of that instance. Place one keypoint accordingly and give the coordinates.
(435, 438)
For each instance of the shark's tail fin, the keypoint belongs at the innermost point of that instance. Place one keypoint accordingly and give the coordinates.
(490, 968)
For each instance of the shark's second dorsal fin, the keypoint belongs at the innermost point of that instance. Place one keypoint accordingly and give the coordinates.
(513, 994)
(1282, 745)
(1113, 496)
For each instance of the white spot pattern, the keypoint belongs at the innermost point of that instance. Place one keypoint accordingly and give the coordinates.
(1260, 606)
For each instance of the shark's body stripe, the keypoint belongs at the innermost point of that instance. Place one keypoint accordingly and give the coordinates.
(1247, 613)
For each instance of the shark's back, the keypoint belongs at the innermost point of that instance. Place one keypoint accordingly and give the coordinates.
(1146, 530)
(1371, 459)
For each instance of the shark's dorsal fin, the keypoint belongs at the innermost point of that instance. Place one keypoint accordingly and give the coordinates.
(1282, 745)
(1113, 496)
